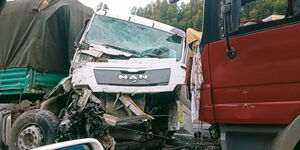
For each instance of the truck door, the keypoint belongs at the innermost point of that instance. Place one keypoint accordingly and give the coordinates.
(262, 83)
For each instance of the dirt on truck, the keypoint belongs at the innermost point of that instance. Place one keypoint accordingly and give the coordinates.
(126, 82)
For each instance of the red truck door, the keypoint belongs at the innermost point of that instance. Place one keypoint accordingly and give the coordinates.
(262, 83)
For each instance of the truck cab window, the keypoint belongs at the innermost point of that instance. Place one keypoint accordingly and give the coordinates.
(260, 11)
(296, 7)
(257, 15)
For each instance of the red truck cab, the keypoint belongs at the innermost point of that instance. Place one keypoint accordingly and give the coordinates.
(251, 89)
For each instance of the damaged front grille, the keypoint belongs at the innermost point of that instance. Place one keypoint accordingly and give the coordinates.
(132, 78)
(87, 116)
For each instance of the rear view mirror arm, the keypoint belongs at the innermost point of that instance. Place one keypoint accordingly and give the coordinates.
(226, 10)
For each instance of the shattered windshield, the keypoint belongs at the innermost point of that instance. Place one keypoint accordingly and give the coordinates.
(139, 40)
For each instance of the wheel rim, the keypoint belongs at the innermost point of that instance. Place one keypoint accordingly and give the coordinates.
(30, 138)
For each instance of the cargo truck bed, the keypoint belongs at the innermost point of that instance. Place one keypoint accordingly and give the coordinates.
(27, 81)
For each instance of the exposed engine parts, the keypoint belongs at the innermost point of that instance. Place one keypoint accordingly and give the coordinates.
(82, 118)
(106, 117)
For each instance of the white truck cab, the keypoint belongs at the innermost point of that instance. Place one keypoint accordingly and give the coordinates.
(129, 54)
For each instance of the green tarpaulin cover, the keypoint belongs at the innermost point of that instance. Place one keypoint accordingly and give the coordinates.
(39, 34)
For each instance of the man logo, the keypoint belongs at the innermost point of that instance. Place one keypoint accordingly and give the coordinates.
(133, 78)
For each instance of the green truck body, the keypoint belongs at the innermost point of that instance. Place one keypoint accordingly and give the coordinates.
(27, 81)
(37, 38)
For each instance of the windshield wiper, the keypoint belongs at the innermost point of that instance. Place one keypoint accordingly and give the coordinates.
(154, 55)
(156, 52)
(133, 52)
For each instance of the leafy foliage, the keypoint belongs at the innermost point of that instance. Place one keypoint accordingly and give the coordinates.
(189, 15)
(181, 16)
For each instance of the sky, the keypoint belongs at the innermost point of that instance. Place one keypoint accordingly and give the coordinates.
(122, 6)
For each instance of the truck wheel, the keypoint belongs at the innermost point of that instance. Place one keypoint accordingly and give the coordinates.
(32, 129)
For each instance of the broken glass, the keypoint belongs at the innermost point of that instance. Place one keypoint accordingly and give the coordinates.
(134, 38)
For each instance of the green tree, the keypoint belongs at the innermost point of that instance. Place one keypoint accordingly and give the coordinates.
(263, 8)
(189, 15)
(181, 16)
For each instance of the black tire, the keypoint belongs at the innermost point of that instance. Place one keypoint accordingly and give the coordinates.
(45, 121)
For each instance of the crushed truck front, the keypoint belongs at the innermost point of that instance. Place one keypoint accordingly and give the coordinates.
(126, 81)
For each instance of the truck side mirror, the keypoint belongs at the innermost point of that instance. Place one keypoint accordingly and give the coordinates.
(173, 1)
(231, 14)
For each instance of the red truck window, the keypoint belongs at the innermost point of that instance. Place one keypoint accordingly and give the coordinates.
(263, 11)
